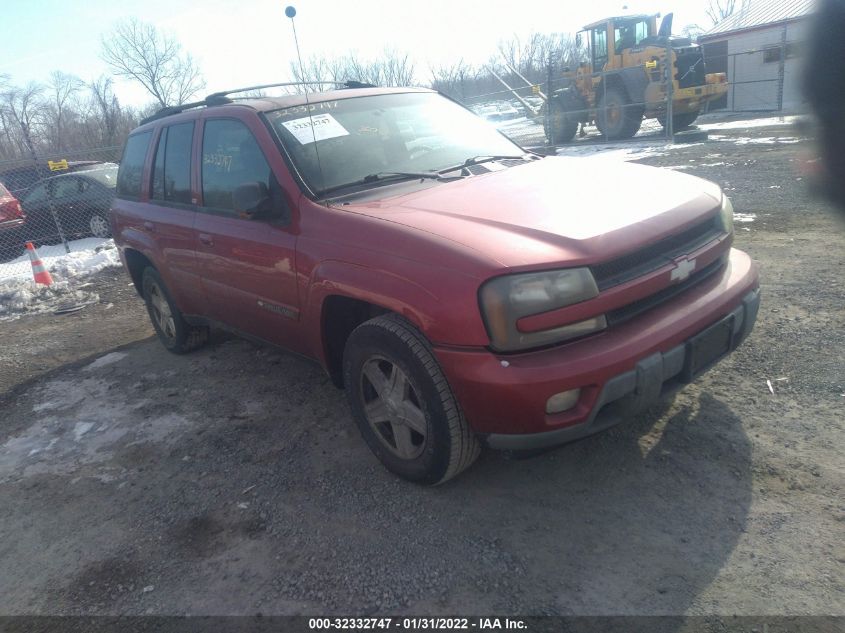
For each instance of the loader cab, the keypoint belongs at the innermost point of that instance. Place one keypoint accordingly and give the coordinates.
(609, 38)
(630, 32)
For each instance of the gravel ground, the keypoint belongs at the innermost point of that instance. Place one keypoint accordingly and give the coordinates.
(233, 481)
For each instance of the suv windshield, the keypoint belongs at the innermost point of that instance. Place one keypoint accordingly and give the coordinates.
(358, 137)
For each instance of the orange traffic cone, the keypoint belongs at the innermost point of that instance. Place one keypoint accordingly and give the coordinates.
(38, 270)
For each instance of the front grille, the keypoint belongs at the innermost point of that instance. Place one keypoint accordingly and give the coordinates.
(631, 310)
(643, 261)
(690, 67)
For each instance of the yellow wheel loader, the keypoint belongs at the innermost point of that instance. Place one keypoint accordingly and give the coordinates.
(625, 80)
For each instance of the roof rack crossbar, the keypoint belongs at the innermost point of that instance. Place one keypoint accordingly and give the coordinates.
(221, 98)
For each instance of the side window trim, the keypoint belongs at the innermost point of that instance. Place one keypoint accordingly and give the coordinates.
(161, 138)
(163, 135)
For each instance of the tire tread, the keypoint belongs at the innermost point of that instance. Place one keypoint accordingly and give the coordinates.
(464, 446)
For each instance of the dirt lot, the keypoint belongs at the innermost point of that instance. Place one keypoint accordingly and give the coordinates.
(233, 480)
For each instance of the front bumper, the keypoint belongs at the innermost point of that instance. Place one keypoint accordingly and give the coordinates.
(634, 391)
(620, 371)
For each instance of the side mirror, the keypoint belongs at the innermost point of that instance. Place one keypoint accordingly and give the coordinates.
(252, 200)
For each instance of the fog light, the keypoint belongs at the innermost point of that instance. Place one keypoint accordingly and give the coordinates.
(563, 401)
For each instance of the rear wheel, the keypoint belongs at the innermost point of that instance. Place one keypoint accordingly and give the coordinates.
(176, 334)
(617, 116)
(679, 121)
(402, 404)
(99, 226)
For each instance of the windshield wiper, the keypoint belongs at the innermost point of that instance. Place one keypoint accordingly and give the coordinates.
(482, 158)
(384, 175)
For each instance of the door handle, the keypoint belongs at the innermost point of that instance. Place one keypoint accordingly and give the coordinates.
(149, 226)
(206, 239)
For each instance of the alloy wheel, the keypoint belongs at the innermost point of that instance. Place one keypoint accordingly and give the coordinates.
(392, 408)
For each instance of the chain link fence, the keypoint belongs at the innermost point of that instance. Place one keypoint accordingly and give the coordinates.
(764, 77)
(522, 112)
(764, 69)
(60, 203)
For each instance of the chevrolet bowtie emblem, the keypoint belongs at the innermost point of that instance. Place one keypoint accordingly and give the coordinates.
(682, 270)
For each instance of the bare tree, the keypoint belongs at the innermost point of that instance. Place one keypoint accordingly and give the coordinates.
(692, 31)
(63, 88)
(397, 69)
(23, 110)
(453, 80)
(718, 10)
(106, 107)
(138, 51)
(392, 68)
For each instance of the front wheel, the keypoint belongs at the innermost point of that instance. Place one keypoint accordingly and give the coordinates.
(402, 404)
(559, 125)
(617, 116)
(176, 334)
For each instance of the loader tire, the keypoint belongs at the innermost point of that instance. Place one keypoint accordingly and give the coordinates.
(559, 125)
(617, 116)
(679, 121)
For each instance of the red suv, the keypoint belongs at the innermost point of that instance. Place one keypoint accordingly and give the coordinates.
(462, 290)
(11, 222)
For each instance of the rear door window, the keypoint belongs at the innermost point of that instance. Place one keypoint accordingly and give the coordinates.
(230, 157)
(65, 188)
(172, 167)
(132, 165)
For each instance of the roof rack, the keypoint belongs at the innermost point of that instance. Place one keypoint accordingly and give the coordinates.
(222, 98)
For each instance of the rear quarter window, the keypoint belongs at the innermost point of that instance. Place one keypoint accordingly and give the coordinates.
(132, 165)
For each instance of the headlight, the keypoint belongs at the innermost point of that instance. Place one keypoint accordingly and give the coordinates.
(507, 299)
(726, 215)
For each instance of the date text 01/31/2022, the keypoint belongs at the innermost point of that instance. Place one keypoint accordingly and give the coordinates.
(436, 624)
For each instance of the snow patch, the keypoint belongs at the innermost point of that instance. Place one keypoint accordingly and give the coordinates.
(79, 423)
(108, 359)
(19, 294)
(617, 151)
(81, 429)
(745, 217)
(764, 140)
(749, 123)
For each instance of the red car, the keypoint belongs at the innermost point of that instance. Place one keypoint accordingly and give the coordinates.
(11, 222)
(463, 291)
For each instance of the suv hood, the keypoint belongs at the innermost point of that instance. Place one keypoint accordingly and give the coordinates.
(554, 210)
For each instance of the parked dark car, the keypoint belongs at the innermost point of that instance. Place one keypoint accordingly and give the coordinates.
(78, 201)
(11, 223)
(21, 178)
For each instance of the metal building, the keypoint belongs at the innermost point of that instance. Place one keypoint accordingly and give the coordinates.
(759, 47)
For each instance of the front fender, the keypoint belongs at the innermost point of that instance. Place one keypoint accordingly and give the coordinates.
(442, 305)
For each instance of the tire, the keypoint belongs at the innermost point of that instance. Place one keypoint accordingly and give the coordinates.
(99, 226)
(173, 331)
(402, 403)
(617, 117)
(559, 125)
(679, 121)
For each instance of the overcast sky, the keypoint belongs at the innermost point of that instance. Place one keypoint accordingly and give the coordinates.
(245, 42)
